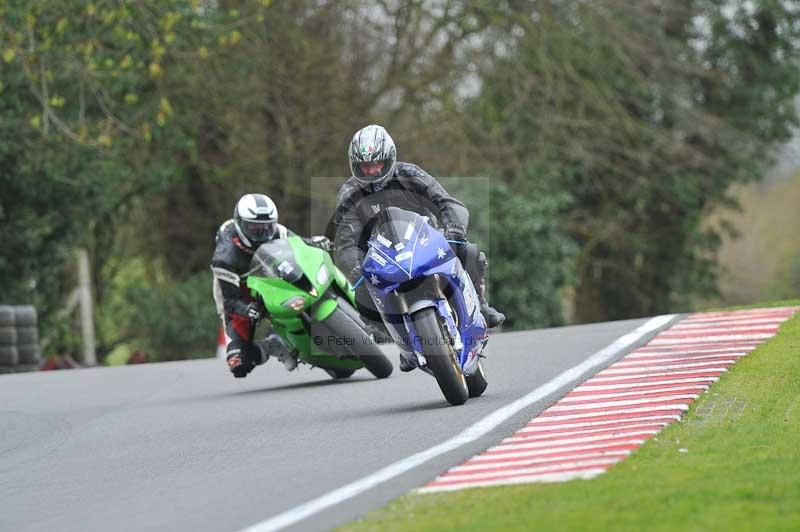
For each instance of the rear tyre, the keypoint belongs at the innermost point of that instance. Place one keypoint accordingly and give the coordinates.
(8, 355)
(359, 343)
(6, 316)
(25, 316)
(477, 382)
(8, 335)
(27, 335)
(440, 356)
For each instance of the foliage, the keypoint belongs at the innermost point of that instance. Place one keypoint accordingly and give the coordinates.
(644, 115)
(88, 101)
(530, 256)
(168, 318)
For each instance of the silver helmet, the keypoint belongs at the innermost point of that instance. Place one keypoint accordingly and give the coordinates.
(372, 145)
(256, 219)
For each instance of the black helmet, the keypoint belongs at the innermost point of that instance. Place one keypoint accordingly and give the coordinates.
(372, 144)
(256, 219)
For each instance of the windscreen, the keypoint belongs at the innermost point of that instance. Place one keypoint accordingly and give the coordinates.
(394, 226)
(276, 259)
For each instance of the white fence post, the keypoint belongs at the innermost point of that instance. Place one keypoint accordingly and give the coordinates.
(87, 309)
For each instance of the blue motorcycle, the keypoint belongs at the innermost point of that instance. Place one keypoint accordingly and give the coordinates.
(427, 301)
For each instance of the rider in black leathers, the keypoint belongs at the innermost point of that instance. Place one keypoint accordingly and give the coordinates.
(255, 221)
(378, 181)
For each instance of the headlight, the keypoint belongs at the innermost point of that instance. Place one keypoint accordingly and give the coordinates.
(322, 275)
(296, 303)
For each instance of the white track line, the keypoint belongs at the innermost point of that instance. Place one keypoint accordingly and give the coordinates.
(645, 375)
(536, 461)
(665, 341)
(593, 404)
(525, 443)
(470, 434)
(488, 475)
(635, 393)
(659, 366)
(634, 362)
(642, 353)
(521, 435)
(498, 453)
(681, 326)
(611, 411)
(553, 477)
(689, 380)
(528, 429)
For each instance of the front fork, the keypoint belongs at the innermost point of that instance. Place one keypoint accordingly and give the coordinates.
(443, 310)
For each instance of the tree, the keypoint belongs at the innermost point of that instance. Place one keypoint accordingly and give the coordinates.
(644, 115)
(89, 126)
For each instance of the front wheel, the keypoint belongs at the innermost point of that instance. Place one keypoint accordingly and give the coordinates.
(361, 344)
(440, 357)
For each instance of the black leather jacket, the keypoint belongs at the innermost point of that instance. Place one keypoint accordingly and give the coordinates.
(230, 264)
(409, 187)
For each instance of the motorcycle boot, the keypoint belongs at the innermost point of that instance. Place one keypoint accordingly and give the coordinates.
(276, 346)
(493, 317)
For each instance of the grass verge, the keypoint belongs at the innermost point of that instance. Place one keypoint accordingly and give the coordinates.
(733, 463)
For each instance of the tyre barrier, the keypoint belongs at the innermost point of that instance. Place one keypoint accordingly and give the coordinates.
(19, 339)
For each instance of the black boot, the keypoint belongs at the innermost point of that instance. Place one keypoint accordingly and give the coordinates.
(493, 317)
(276, 346)
(405, 364)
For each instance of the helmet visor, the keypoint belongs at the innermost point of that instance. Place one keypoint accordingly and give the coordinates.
(259, 232)
(372, 170)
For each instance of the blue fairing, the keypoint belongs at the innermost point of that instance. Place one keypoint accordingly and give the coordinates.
(404, 255)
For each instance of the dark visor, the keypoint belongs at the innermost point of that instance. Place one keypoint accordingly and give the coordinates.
(260, 231)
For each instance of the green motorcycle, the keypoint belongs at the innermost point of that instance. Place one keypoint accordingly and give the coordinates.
(312, 308)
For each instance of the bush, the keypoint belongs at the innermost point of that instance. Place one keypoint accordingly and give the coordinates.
(168, 319)
(530, 256)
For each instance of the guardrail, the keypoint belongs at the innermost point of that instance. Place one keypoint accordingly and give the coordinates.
(19, 339)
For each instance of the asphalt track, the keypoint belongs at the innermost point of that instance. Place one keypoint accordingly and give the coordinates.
(183, 446)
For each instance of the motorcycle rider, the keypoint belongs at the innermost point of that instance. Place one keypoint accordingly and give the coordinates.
(254, 222)
(378, 181)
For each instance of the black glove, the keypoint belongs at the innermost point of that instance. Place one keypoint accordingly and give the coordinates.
(456, 232)
(255, 310)
(321, 242)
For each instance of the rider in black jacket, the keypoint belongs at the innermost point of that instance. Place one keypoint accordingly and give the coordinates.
(255, 221)
(378, 181)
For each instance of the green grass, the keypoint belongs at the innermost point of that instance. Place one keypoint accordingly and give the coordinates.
(741, 471)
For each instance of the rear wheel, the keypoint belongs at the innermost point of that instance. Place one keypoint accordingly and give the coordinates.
(359, 343)
(440, 356)
(477, 382)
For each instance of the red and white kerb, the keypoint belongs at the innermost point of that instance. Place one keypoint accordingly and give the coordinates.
(607, 417)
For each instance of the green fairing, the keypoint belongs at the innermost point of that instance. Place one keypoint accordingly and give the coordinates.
(318, 301)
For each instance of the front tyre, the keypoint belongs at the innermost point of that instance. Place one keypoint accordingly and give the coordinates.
(440, 356)
(362, 345)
